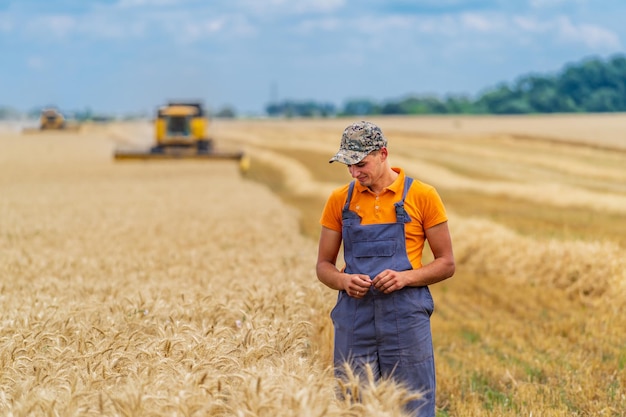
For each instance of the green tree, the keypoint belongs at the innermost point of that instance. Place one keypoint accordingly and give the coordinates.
(360, 107)
(603, 100)
(226, 112)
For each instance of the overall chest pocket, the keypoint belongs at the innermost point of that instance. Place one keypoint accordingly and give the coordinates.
(374, 248)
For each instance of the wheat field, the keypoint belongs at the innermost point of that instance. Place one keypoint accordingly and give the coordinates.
(187, 288)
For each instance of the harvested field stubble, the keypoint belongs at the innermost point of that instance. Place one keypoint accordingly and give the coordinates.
(528, 325)
(180, 288)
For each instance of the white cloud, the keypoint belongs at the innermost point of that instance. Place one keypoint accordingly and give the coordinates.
(530, 24)
(127, 4)
(484, 23)
(592, 36)
(144, 18)
(544, 4)
(96, 25)
(194, 31)
(347, 28)
(112, 23)
(291, 7)
(562, 28)
(326, 24)
(59, 25)
(187, 28)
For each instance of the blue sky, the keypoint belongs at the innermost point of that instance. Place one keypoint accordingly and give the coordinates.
(119, 56)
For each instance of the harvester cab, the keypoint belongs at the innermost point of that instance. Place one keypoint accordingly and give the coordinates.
(182, 126)
(180, 132)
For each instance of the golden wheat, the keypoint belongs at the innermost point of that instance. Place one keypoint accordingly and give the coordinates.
(181, 288)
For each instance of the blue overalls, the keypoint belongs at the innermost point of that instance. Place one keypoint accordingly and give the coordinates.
(391, 332)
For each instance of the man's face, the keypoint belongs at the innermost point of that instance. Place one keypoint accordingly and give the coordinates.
(369, 169)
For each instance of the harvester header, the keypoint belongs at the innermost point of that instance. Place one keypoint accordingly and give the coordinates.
(180, 131)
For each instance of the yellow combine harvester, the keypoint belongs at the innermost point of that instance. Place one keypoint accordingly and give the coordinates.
(181, 132)
(52, 119)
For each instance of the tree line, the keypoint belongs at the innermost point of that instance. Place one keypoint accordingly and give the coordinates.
(592, 85)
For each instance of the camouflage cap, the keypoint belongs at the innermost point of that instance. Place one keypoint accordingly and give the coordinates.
(357, 141)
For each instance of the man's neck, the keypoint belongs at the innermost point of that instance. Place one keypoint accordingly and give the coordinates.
(384, 181)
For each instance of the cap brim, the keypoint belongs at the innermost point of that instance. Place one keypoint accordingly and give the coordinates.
(348, 158)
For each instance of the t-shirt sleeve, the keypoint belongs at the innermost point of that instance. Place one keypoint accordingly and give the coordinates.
(331, 215)
(434, 210)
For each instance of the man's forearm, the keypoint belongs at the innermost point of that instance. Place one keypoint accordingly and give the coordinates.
(438, 270)
(329, 275)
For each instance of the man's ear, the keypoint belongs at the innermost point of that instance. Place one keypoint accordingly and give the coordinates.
(384, 153)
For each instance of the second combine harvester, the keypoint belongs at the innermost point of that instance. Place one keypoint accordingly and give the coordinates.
(181, 132)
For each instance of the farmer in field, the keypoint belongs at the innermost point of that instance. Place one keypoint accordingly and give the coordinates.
(383, 218)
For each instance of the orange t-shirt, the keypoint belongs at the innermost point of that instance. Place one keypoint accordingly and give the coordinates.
(422, 203)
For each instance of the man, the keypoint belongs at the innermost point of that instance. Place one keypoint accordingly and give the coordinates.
(382, 315)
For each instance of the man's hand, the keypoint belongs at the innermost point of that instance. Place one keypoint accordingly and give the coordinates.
(389, 281)
(357, 285)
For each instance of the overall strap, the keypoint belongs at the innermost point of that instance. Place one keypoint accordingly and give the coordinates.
(401, 215)
(349, 196)
(407, 184)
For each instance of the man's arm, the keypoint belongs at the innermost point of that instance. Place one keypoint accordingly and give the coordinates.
(443, 265)
(441, 268)
(356, 285)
